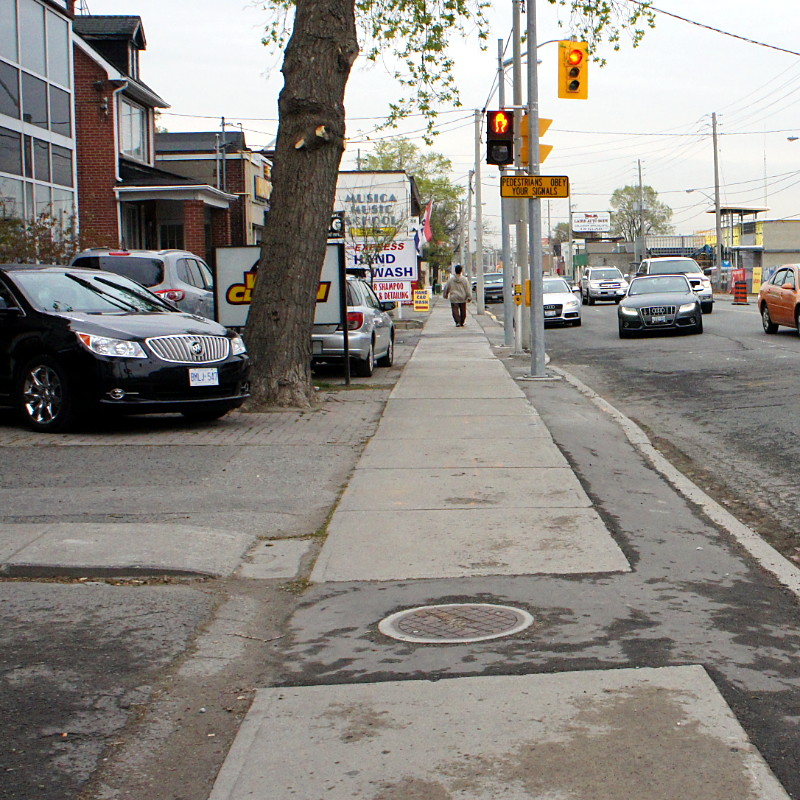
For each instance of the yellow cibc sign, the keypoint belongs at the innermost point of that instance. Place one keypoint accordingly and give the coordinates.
(534, 186)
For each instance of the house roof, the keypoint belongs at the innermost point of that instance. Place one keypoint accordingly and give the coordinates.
(199, 142)
(133, 174)
(111, 27)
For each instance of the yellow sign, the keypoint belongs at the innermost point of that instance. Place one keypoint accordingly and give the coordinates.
(422, 301)
(518, 294)
(756, 280)
(547, 186)
(544, 149)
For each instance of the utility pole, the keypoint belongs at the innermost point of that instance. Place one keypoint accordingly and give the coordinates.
(534, 205)
(522, 328)
(570, 264)
(717, 212)
(470, 265)
(642, 239)
(478, 213)
(508, 289)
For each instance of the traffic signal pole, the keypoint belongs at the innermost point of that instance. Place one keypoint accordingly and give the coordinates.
(508, 288)
(534, 205)
(522, 326)
(478, 213)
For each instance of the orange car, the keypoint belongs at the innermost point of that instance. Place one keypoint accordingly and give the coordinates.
(779, 299)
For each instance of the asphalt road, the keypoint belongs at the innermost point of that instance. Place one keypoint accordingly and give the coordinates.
(721, 406)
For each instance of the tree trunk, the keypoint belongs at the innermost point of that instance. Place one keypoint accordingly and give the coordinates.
(309, 148)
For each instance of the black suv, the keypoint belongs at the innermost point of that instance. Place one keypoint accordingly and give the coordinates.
(74, 341)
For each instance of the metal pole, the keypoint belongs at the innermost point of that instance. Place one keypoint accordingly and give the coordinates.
(535, 205)
(522, 327)
(717, 211)
(470, 264)
(508, 289)
(643, 245)
(478, 212)
(570, 263)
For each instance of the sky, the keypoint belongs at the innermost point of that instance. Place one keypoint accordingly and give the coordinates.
(650, 104)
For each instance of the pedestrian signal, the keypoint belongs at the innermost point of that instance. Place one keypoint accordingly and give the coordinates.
(500, 138)
(573, 70)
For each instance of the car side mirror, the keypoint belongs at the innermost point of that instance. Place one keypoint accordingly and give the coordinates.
(388, 305)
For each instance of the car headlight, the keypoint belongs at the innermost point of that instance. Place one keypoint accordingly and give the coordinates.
(106, 346)
(686, 307)
(570, 304)
(628, 312)
(237, 346)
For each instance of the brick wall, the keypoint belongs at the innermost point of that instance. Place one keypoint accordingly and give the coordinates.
(96, 154)
(194, 227)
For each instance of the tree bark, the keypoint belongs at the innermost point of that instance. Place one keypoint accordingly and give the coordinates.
(309, 148)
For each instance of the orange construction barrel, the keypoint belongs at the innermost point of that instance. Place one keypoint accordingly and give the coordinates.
(740, 293)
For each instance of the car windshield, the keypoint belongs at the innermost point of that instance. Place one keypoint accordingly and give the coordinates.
(605, 275)
(678, 265)
(554, 285)
(87, 293)
(144, 270)
(493, 277)
(665, 283)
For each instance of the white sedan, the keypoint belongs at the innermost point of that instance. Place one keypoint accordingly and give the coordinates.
(560, 304)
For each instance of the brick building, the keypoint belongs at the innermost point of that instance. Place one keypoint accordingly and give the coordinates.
(124, 200)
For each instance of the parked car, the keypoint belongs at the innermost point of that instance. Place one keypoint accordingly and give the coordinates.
(675, 265)
(370, 332)
(176, 275)
(492, 287)
(779, 299)
(560, 304)
(657, 303)
(77, 341)
(602, 283)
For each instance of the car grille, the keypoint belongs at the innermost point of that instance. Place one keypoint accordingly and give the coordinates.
(553, 307)
(658, 311)
(188, 349)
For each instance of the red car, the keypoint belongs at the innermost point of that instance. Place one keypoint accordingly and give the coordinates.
(779, 299)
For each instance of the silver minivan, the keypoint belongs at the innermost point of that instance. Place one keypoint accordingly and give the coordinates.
(176, 275)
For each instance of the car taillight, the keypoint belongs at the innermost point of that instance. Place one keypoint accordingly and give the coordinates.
(173, 295)
(355, 319)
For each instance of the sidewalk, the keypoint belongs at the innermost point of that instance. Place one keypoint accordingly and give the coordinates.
(463, 480)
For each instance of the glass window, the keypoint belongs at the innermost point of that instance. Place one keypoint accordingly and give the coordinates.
(60, 112)
(42, 195)
(62, 165)
(10, 152)
(208, 277)
(779, 277)
(27, 154)
(58, 49)
(8, 31)
(30, 208)
(133, 130)
(790, 278)
(11, 198)
(41, 160)
(34, 100)
(31, 36)
(147, 271)
(9, 90)
(64, 205)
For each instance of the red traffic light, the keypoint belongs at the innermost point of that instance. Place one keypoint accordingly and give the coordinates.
(574, 57)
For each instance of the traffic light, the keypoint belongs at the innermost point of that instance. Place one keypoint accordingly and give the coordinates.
(500, 138)
(544, 149)
(573, 70)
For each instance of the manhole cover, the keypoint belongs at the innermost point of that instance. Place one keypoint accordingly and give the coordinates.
(455, 623)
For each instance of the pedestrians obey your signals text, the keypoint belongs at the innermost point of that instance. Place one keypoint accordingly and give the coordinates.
(500, 138)
(573, 70)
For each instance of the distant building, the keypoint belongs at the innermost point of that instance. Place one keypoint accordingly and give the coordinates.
(223, 161)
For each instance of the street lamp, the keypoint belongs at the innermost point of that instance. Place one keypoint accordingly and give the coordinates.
(718, 220)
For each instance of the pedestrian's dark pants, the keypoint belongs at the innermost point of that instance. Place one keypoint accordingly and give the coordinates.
(459, 313)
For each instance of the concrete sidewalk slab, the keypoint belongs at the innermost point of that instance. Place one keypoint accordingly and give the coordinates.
(397, 489)
(455, 427)
(405, 545)
(471, 406)
(100, 549)
(436, 386)
(659, 734)
(389, 453)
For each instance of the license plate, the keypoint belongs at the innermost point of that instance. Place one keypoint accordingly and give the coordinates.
(659, 318)
(204, 377)
(550, 313)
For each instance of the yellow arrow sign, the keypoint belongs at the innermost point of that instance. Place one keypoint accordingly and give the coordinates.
(544, 149)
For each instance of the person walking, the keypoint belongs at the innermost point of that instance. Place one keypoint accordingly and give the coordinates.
(457, 291)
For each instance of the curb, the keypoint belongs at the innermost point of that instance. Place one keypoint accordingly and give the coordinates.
(766, 555)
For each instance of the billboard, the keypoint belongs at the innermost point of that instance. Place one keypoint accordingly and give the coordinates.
(591, 221)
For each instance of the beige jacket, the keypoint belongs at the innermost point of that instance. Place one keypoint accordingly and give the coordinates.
(457, 290)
